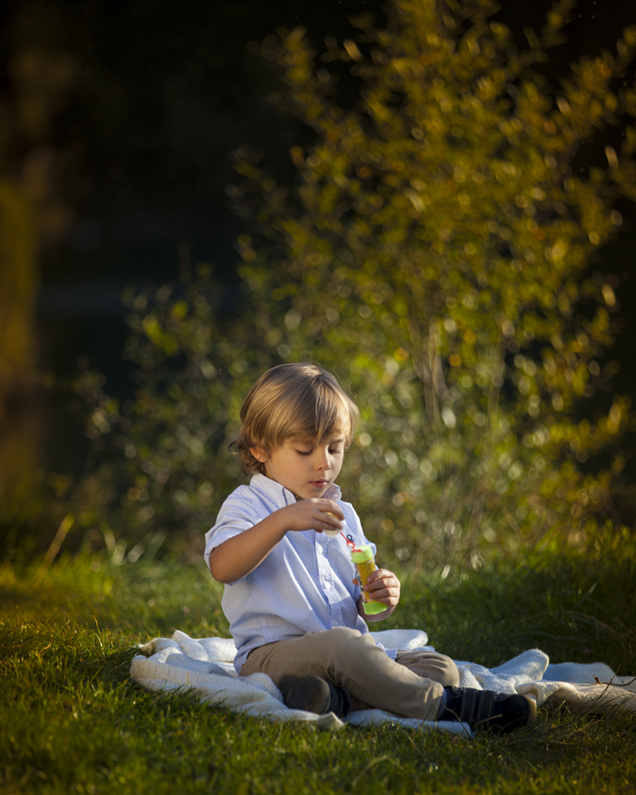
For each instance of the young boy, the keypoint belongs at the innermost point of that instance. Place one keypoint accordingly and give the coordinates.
(291, 596)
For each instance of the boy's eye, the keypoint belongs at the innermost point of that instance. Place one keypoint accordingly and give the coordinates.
(332, 451)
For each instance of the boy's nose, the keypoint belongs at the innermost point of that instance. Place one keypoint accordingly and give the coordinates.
(322, 461)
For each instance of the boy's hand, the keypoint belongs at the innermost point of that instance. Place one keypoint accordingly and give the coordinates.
(383, 586)
(315, 513)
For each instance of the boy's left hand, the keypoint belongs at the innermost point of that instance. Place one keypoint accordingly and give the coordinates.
(383, 586)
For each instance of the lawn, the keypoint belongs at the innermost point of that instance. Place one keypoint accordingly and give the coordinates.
(73, 722)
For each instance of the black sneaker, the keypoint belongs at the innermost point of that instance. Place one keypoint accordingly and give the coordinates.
(485, 709)
(314, 695)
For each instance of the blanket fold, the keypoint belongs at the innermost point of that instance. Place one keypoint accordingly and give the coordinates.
(205, 665)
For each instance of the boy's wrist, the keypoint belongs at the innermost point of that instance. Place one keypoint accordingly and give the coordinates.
(284, 517)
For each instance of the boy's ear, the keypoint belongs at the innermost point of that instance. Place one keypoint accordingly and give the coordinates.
(259, 453)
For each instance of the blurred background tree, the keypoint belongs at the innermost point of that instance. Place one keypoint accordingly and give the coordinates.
(434, 251)
(17, 344)
(38, 75)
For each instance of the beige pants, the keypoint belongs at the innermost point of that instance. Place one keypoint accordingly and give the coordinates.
(410, 687)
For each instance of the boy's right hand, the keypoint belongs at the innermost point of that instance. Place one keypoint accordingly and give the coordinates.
(315, 513)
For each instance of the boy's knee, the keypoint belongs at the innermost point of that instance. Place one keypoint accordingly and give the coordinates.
(450, 672)
(340, 636)
(431, 665)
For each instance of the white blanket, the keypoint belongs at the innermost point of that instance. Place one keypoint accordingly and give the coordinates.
(205, 666)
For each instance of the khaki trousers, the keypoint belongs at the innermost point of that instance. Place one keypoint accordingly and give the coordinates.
(410, 687)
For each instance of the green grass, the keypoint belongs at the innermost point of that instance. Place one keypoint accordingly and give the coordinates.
(73, 722)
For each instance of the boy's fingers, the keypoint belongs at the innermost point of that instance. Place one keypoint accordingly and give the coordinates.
(335, 511)
(335, 523)
(382, 589)
(382, 574)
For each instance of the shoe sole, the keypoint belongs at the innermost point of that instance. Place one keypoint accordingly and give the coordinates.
(532, 716)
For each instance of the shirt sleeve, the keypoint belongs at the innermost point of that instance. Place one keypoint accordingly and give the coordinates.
(235, 517)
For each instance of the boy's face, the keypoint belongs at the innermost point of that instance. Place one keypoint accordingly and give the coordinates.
(304, 466)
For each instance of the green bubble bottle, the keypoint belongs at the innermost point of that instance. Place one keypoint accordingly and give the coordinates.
(365, 564)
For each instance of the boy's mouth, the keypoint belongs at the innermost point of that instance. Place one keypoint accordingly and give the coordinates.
(319, 483)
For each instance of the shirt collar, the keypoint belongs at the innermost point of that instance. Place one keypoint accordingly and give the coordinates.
(283, 496)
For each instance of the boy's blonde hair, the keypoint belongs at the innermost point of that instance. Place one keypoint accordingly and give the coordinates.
(292, 400)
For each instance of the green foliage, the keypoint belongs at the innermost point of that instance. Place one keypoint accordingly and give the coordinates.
(71, 720)
(434, 252)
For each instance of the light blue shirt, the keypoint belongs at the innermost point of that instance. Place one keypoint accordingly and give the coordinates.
(303, 585)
